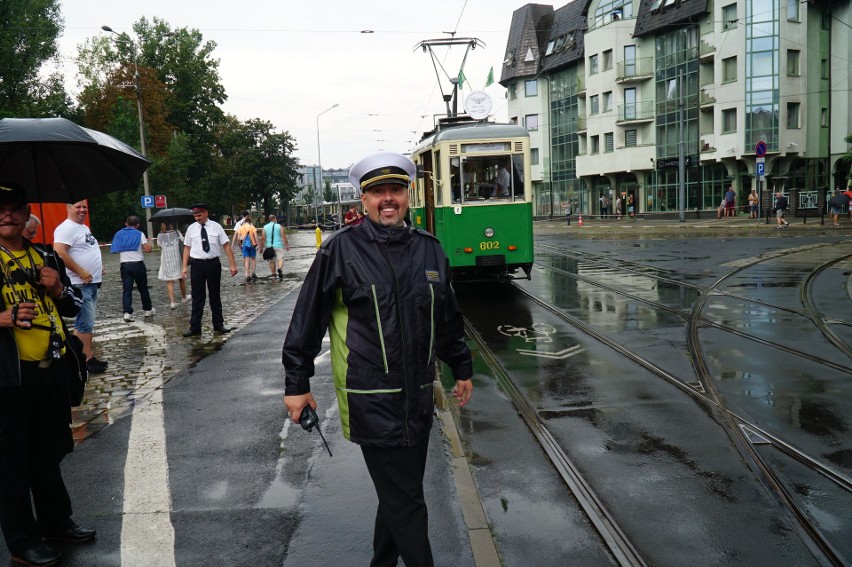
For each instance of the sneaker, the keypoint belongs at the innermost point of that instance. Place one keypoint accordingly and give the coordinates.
(248, 279)
(280, 275)
(149, 313)
(172, 305)
(96, 366)
(186, 299)
(254, 276)
(128, 317)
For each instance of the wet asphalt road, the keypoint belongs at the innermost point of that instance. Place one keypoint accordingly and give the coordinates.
(661, 461)
(245, 488)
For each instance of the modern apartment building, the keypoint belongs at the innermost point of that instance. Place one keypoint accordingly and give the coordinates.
(614, 92)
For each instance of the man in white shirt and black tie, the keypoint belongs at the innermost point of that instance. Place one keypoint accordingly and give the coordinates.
(203, 243)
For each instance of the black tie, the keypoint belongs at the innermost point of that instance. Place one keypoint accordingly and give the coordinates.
(205, 244)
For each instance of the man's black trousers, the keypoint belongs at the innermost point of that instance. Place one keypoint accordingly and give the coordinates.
(402, 522)
(206, 276)
(34, 437)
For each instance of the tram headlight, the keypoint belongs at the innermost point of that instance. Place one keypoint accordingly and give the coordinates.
(489, 232)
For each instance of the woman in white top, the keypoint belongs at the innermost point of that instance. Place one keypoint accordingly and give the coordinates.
(169, 240)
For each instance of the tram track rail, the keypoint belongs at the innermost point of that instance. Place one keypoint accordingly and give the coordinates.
(613, 536)
(743, 431)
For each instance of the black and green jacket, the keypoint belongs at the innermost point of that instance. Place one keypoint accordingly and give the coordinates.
(385, 297)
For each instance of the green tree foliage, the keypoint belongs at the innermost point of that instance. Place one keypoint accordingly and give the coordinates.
(328, 195)
(255, 165)
(28, 32)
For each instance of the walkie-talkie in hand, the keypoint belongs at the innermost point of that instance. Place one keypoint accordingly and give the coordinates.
(308, 420)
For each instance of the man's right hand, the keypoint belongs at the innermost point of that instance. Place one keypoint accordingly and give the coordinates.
(295, 404)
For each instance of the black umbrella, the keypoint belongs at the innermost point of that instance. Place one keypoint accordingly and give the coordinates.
(176, 213)
(57, 161)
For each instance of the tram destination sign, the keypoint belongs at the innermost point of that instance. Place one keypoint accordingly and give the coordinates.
(669, 163)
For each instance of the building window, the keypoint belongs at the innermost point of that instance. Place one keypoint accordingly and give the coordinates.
(594, 105)
(824, 67)
(607, 60)
(513, 91)
(793, 62)
(729, 17)
(608, 142)
(630, 138)
(549, 49)
(533, 156)
(629, 60)
(729, 120)
(596, 144)
(593, 64)
(792, 115)
(531, 121)
(607, 101)
(823, 120)
(729, 69)
(531, 88)
(792, 10)
(630, 104)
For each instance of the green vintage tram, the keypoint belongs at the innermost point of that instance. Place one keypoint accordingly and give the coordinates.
(473, 192)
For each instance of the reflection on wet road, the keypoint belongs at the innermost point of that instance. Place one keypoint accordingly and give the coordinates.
(685, 389)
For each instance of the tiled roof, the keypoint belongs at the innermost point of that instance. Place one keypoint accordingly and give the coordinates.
(530, 23)
(652, 17)
(570, 21)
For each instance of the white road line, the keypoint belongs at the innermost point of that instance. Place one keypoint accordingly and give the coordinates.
(147, 534)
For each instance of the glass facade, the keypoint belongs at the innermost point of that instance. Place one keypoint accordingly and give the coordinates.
(565, 143)
(676, 77)
(762, 73)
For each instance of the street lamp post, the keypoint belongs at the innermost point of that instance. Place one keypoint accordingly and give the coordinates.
(138, 86)
(319, 162)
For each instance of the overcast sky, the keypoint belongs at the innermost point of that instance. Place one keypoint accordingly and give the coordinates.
(287, 61)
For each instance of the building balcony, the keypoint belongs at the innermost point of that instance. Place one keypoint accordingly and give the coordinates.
(635, 113)
(706, 100)
(706, 49)
(577, 125)
(581, 86)
(641, 69)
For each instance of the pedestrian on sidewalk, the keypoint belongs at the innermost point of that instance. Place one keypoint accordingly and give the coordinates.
(374, 285)
(247, 235)
(169, 241)
(203, 244)
(780, 209)
(836, 204)
(753, 203)
(131, 244)
(74, 243)
(275, 237)
(730, 202)
(35, 411)
(566, 210)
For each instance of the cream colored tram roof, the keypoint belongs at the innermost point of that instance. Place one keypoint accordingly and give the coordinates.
(474, 132)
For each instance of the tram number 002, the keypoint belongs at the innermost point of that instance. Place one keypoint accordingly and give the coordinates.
(495, 245)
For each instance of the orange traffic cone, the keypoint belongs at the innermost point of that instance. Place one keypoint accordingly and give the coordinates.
(580, 221)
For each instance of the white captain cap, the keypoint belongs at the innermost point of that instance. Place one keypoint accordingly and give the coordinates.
(380, 168)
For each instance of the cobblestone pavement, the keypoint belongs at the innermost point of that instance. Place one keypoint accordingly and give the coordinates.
(145, 353)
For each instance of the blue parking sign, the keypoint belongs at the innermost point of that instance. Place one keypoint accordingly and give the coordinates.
(147, 201)
(761, 167)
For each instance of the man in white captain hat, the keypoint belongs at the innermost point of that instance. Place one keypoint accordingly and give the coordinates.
(383, 291)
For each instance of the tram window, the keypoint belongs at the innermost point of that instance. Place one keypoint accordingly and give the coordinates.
(490, 177)
(455, 180)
